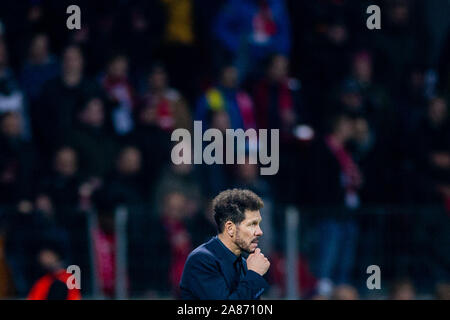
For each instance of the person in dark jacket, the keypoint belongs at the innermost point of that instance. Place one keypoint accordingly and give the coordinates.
(216, 270)
(126, 184)
(96, 147)
(62, 183)
(431, 154)
(337, 182)
(55, 114)
(16, 160)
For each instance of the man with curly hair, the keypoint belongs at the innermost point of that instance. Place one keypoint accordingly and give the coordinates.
(216, 270)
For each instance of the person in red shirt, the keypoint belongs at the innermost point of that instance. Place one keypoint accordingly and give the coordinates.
(173, 219)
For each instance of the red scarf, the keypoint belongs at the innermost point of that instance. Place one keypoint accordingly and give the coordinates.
(180, 247)
(349, 168)
(120, 89)
(263, 22)
(284, 101)
(105, 257)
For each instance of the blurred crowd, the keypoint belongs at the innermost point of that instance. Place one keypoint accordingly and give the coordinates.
(86, 118)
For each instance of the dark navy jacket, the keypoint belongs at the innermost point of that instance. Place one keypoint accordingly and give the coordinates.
(213, 272)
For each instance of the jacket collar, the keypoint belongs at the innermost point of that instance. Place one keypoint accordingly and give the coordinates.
(227, 254)
(226, 258)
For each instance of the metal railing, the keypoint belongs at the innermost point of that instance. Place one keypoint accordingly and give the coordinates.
(387, 231)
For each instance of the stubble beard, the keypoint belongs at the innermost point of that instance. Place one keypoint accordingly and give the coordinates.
(241, 243)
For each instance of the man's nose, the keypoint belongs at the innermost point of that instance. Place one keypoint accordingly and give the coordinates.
(259, 232)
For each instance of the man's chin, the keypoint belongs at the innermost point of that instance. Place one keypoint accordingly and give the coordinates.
(249, 248)
(253, 247)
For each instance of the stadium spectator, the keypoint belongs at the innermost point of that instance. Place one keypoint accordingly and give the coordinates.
(185, 179)
(251, 30)
(432, 153)
(117, 85)
(140, 30)
(400, 43)
(374, 94)
(173, 216)
(125, 185)
(95, 146)
(16, 160)
(412, 101)
(60, 100)
(28, 229)
(371, 154)
(153, 142)
(226, 99)
(327, 60)
(20, 237)
(166, 108)
(61, 185)
(224, 106)
(276, 98)
(40, 67)
(104, 239)
(336, 184)
(350, 97)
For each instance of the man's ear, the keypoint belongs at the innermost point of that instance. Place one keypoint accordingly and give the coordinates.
(230, 228)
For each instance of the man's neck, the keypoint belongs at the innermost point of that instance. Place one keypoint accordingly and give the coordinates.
(229, 244)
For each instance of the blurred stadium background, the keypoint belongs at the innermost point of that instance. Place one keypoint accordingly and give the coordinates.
(86, 116)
